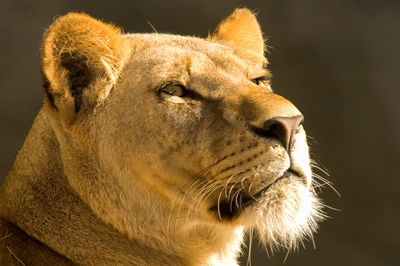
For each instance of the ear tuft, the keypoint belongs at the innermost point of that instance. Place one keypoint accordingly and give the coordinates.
(80, 52)
(242, 32)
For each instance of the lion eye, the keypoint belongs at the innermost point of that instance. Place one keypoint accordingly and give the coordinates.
(261, 81)
(174, 90)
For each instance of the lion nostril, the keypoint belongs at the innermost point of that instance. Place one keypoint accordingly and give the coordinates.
(281, 128)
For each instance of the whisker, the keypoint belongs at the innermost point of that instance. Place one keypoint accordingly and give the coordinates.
(226, 185)
(316, 166)
(230, 190)
(327, 182)
(207, 192)
(218, 205)
(322, 178)
(234, 198)
(250, 247)
(241, 202)
(192, 189)
(287, 255)
(237, 193)
(251, 195)
(330, 207)
(312, 240)
(201, 193)
(152, 26)
(317, 162)
(243, 181)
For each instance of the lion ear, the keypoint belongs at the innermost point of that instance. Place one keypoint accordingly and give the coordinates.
(242, 32)
(81, 61)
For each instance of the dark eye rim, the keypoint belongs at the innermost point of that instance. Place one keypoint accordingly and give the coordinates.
(162, 88)
(187, 93)
(262, 80)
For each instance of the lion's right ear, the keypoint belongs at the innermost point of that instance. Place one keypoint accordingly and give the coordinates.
(242, 32)
(81, 60)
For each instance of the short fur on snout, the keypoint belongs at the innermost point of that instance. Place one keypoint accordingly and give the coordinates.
(151, 149)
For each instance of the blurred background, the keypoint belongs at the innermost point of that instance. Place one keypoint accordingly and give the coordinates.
(338, 61)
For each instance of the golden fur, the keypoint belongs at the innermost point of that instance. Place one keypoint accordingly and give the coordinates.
(148, 151)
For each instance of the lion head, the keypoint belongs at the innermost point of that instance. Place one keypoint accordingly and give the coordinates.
(171, 138)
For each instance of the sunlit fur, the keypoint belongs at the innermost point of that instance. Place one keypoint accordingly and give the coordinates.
(117, 171)
(288, 213)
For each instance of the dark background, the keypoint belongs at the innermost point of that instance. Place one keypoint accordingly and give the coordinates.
(337, 60)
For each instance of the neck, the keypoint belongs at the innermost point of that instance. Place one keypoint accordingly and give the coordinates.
(38, 197)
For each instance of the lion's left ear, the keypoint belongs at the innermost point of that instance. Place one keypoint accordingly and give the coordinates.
(81, 60)
(242, 32)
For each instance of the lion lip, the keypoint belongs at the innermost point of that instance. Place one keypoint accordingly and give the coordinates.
(248, 201)
(227, 212)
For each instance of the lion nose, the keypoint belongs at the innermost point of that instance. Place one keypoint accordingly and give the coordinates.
(281, 128)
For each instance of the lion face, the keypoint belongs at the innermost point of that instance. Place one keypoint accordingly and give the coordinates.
(194, 128)
(200, 116)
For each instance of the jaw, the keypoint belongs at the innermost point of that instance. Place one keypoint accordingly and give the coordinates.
(283, 213)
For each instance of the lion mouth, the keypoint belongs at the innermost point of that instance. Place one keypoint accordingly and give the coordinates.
(254, 198)
(228, 211)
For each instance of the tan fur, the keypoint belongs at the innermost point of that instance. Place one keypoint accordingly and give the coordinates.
(116, 171)
(248, 40)
(79, 38)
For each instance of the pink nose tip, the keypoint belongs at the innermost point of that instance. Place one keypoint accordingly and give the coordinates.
(283, 128)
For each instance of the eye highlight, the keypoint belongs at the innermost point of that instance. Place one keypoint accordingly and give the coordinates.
(174, 90)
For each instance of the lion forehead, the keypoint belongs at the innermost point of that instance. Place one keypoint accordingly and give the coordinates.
(164, 48)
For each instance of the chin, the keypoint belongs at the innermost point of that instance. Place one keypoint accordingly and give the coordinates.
(283, 214)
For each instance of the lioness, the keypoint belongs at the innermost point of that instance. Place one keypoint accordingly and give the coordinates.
(156, 149)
